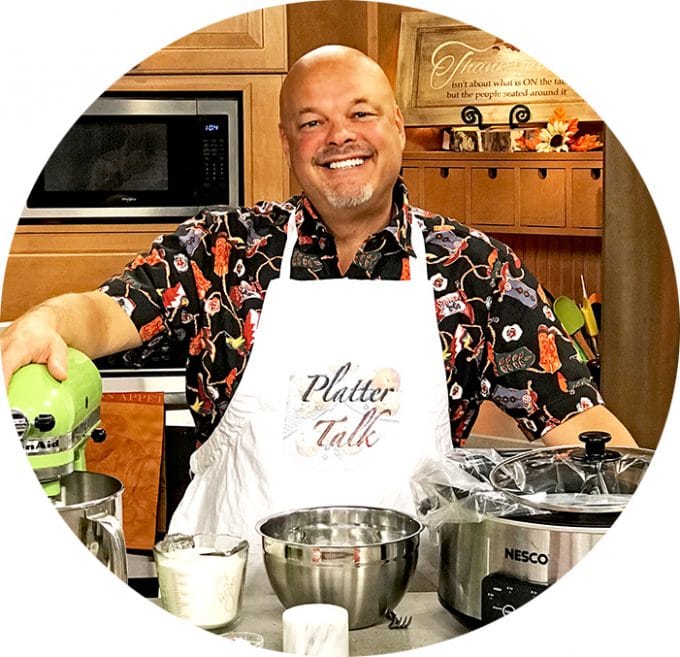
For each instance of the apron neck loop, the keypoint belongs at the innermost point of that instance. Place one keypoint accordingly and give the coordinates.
(418, 264)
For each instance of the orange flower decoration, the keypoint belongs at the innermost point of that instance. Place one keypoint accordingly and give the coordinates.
(558, 135)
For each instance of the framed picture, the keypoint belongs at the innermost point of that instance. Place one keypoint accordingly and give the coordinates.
(444, 66)
(462, 140)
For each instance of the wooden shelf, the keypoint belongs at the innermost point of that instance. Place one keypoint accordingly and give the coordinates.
(522, 193)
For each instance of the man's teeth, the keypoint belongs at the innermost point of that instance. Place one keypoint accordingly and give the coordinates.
(346, 164)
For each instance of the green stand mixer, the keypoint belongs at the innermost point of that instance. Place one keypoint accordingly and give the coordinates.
(54, 420)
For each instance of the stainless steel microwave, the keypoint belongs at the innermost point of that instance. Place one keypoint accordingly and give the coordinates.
(133, 157)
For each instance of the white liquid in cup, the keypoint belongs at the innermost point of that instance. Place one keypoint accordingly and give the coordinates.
(201, 587)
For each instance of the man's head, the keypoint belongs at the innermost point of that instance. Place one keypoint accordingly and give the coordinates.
(341, 130)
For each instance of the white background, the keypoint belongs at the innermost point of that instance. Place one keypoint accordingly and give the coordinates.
(58, 56)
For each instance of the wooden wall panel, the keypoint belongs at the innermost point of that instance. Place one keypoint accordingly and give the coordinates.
(641, 325)
(558, 262)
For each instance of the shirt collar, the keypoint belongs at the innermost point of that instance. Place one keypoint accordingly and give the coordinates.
(397, 232)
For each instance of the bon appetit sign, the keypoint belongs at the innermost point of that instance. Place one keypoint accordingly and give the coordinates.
(445, 65)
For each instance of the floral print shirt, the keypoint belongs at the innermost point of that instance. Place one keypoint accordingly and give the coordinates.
(200, 290)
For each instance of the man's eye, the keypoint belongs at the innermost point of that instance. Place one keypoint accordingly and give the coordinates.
(309, 124)
(362, 115)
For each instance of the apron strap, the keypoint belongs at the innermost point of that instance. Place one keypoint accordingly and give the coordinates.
(418, 263)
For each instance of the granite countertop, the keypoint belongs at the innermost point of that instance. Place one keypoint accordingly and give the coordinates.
(431, 624)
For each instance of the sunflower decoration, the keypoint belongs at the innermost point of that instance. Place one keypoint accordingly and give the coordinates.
(559, 136)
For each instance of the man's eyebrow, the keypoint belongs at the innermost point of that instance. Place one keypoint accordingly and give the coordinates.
(313, 110)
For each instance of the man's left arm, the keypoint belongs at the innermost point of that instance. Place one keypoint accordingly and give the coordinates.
(597, 418)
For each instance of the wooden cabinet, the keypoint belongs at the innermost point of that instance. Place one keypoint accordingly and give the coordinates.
(558, 194)
(253, 42)
(48, 260)
(247, 55)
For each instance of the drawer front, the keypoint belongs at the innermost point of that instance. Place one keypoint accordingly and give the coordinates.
(444, 191)
(542, 197)
(492, 196)
(586, 197)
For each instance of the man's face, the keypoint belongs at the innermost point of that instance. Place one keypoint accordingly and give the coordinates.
(343, 135)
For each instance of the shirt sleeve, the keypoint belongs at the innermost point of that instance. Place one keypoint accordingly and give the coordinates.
(533, 371)
(160, 288)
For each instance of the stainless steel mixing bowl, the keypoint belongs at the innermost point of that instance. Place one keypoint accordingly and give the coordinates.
(359, 558)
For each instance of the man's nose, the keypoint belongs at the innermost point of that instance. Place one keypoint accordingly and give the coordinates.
(340, 132)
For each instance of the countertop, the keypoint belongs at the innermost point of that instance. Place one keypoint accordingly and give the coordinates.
(431, 624)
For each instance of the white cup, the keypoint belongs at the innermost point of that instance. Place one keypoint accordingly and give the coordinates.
(201, 577)
(317, 630)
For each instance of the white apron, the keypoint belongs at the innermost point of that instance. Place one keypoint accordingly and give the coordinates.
(343, 394)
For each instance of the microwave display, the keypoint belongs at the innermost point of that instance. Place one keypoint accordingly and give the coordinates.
(147, 158)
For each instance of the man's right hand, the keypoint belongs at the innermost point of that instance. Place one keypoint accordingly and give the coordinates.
(33, 339)
(91, 322)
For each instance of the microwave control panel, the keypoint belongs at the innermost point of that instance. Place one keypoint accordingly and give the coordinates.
(213, 145)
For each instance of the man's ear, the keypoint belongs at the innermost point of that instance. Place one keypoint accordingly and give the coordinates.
(284, 143)
(399, 120)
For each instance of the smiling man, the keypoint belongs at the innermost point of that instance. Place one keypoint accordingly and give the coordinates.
(343, 142)
(411, 319)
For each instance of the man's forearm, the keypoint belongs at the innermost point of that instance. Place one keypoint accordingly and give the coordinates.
(91, 322)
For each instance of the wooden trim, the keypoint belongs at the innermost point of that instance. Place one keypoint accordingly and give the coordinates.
(516, 158)
(252, 42)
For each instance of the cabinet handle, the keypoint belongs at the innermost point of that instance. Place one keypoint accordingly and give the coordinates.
(493, 173)
(595, 174)
(444, 172)
(542, 173)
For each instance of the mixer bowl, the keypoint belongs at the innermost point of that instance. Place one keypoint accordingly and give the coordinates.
(359, 558)
(91, 504)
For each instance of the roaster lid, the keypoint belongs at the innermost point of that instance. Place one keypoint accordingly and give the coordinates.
(588, 479)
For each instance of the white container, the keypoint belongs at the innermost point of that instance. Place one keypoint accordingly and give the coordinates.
(201, 577)
(317, 630)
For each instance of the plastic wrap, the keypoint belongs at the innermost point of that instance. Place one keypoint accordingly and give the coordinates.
(459, 486)
(456, 488)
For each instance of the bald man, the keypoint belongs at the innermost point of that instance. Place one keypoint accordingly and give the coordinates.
(335, 339)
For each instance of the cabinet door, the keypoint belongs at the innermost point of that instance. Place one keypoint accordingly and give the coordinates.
(444, 191)
(45, 262)
(542, 197)
(586, 197)
(492, 196)
(251, 42)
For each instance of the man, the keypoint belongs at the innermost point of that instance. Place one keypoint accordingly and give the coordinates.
(380, 327)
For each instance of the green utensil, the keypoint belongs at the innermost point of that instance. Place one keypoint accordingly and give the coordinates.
(570, 315)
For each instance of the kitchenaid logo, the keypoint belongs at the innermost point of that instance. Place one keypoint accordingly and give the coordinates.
(41, 445)
(525, 556)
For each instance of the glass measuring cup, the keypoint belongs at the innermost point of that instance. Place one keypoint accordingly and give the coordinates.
(201, 577)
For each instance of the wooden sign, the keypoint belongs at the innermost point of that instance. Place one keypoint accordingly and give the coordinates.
(445, 65)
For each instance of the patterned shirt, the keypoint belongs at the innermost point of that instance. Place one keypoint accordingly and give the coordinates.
(201, 290)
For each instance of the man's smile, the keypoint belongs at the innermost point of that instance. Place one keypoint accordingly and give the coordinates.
(346, 164)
